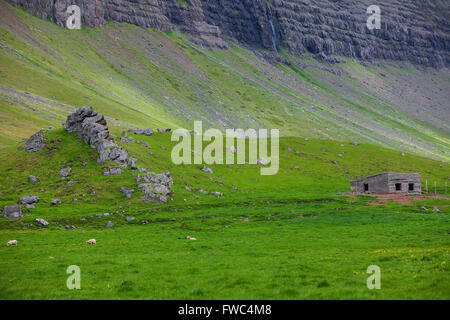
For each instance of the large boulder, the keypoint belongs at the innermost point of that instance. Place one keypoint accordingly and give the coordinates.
(29, 200)
(35, 142)
(156, 186)
(12, 212)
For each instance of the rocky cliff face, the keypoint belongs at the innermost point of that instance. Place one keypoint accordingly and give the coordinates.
(413, 30)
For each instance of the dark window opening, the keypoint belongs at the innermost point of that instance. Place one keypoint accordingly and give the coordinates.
(366, 187)
(411, 187)
(398, 187)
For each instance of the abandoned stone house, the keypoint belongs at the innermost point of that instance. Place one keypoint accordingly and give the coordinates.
(388, 182)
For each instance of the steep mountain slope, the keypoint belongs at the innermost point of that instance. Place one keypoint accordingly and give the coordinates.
(148, 78)
(410, 30)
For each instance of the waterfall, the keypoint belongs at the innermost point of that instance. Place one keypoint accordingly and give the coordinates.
(274, 35)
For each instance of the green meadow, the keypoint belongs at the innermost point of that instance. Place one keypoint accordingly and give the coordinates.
(286, 236)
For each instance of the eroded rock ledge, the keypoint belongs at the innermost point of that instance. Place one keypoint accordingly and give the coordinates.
(93, 129)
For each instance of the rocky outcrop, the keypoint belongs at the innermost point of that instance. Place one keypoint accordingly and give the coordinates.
(35, 142)
(92, 128)
(156, 186)
(416, 31)
(142, 131)
(12, 212)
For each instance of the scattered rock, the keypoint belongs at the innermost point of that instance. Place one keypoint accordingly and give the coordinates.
(145, 144)
(29, 200)
(91, 241)
(130, 219)
(191, 238)
(142, 132)
(30, 206)
(262, 162)
(423, 209)
(56, 202)
(109, 224)
(206, 169)
(161, 130)
(71, 182)
(354, 143)
(436, 209)
(12, 212)
(123, 140)
(218, 194)
(113, 172)
(32, 179)
(41, 222)
(403, 154)
(334, 162)
(127, 192)
(201, 191)
(132, 163)
(339, 155)
(64, 173)
(71, 227)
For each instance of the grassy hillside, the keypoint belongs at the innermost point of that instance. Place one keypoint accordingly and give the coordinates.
(149, 78)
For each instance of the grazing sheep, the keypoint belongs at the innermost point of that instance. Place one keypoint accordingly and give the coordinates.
(91, 241)
(190, 238)
(12, 243)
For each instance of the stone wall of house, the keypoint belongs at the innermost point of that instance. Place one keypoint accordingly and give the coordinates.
(404, 179)
(386, 183)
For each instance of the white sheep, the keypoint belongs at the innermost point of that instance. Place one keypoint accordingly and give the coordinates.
(91, 241)
(190, 238)
(12, 243)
